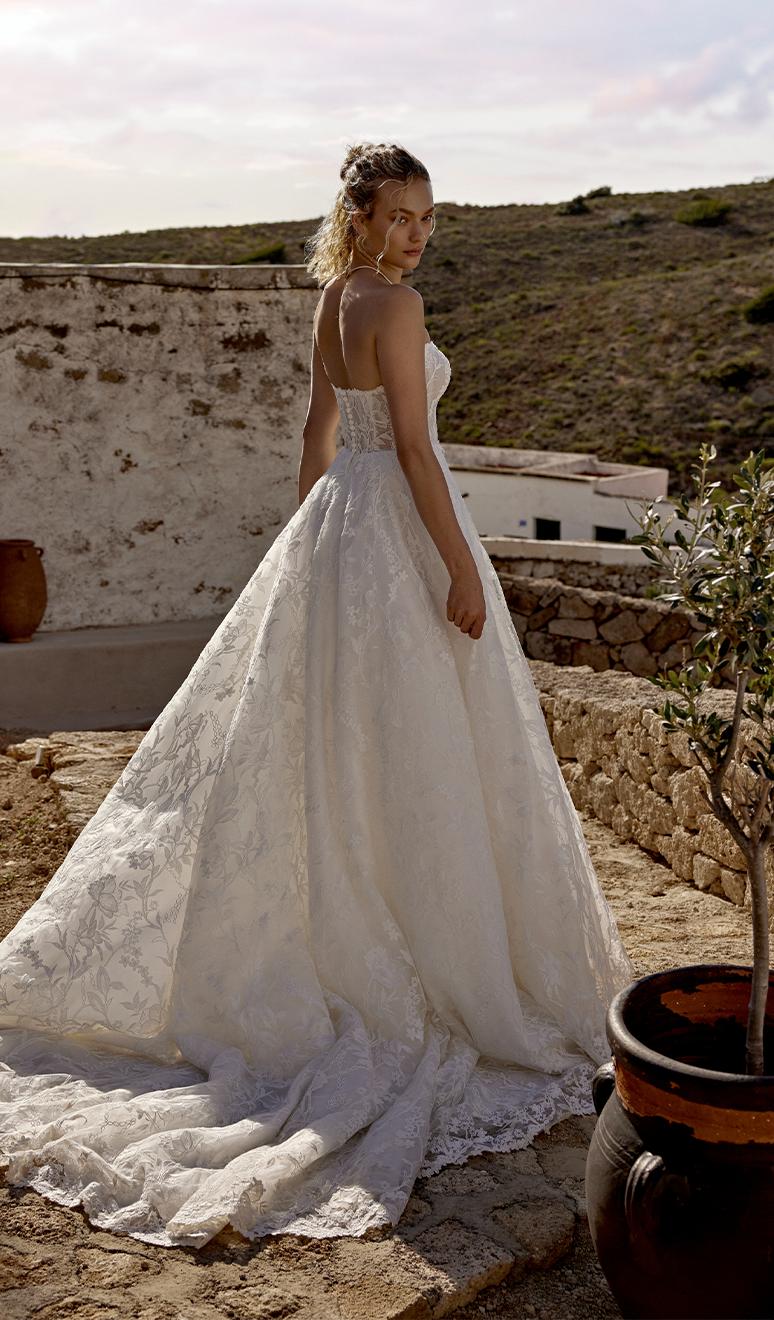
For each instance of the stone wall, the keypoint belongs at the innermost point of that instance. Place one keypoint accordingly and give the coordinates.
(150, 430)
(629, 580)
(621, 766)
(569, 625)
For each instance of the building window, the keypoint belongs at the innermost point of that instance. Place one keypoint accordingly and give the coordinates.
(609, 534)
(548, 529)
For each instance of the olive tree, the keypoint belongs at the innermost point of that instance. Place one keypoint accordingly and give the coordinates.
(719, 565)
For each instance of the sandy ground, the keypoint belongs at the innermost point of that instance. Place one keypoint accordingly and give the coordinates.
(664, 923)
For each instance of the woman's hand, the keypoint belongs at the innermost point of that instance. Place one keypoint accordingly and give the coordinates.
(465, 605)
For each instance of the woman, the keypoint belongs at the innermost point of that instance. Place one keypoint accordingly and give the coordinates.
(336, 924)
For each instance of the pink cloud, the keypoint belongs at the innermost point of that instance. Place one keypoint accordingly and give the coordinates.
(718, 69)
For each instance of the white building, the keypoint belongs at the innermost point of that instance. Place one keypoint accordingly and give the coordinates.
(547, 496)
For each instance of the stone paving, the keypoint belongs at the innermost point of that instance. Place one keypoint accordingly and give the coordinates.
(463, 1230)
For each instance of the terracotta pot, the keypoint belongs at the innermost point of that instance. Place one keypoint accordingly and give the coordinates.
(680, 1170)
(23, 594)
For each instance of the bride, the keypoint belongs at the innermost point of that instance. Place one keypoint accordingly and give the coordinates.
(335, 926)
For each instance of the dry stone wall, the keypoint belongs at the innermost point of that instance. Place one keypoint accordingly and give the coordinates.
(569, 625)
(621, 766)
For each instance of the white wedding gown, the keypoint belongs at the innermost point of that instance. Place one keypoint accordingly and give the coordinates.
(335, 926)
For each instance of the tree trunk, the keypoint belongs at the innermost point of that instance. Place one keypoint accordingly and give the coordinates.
(754, 1061)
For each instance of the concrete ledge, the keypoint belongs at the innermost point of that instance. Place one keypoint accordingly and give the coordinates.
(268, 276)
(586, 552)
(97, 678)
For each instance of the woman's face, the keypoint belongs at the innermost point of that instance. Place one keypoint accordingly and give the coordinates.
(400, 225)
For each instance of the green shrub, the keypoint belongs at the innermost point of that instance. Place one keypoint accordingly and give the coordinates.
(705, 212)
(272, 253)
(733, 373)
(576, 206)
(644, 449)
(604, 191)
(760, 311)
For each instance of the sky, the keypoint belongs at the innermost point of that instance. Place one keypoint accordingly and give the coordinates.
(144, 114)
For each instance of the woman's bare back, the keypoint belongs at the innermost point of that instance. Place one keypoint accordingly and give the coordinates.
(348, 313)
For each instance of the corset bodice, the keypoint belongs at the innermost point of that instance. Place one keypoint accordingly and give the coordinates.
(366, 426)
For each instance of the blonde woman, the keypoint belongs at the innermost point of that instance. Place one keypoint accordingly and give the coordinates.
(336, 925)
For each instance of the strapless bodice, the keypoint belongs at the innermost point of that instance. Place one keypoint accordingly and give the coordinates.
(366, 426)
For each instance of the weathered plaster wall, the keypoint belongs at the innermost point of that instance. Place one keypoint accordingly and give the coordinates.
(150, 430)
(621, 766)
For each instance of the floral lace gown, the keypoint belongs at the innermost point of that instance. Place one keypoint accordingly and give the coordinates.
(335, 926)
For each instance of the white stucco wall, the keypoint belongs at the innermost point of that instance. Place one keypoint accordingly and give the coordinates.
(506, 504)
(150, 430)
(507, 489)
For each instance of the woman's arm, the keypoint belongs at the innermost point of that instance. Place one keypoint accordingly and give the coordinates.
(319, 434)
(400, 350)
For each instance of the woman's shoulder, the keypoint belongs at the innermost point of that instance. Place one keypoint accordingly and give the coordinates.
(397, 302)
(402, 306)
(380, 289)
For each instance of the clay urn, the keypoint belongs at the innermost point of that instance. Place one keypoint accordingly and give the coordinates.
(23, 595)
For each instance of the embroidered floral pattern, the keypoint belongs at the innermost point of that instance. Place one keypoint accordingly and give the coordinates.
(335, 925)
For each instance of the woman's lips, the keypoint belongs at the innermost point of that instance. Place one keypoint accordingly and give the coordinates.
(414, 252)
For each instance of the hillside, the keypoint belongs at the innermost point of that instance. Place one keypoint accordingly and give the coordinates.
(618, 330)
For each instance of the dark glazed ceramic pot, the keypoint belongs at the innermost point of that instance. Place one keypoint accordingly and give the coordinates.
(680, 1170)
(23, 595)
